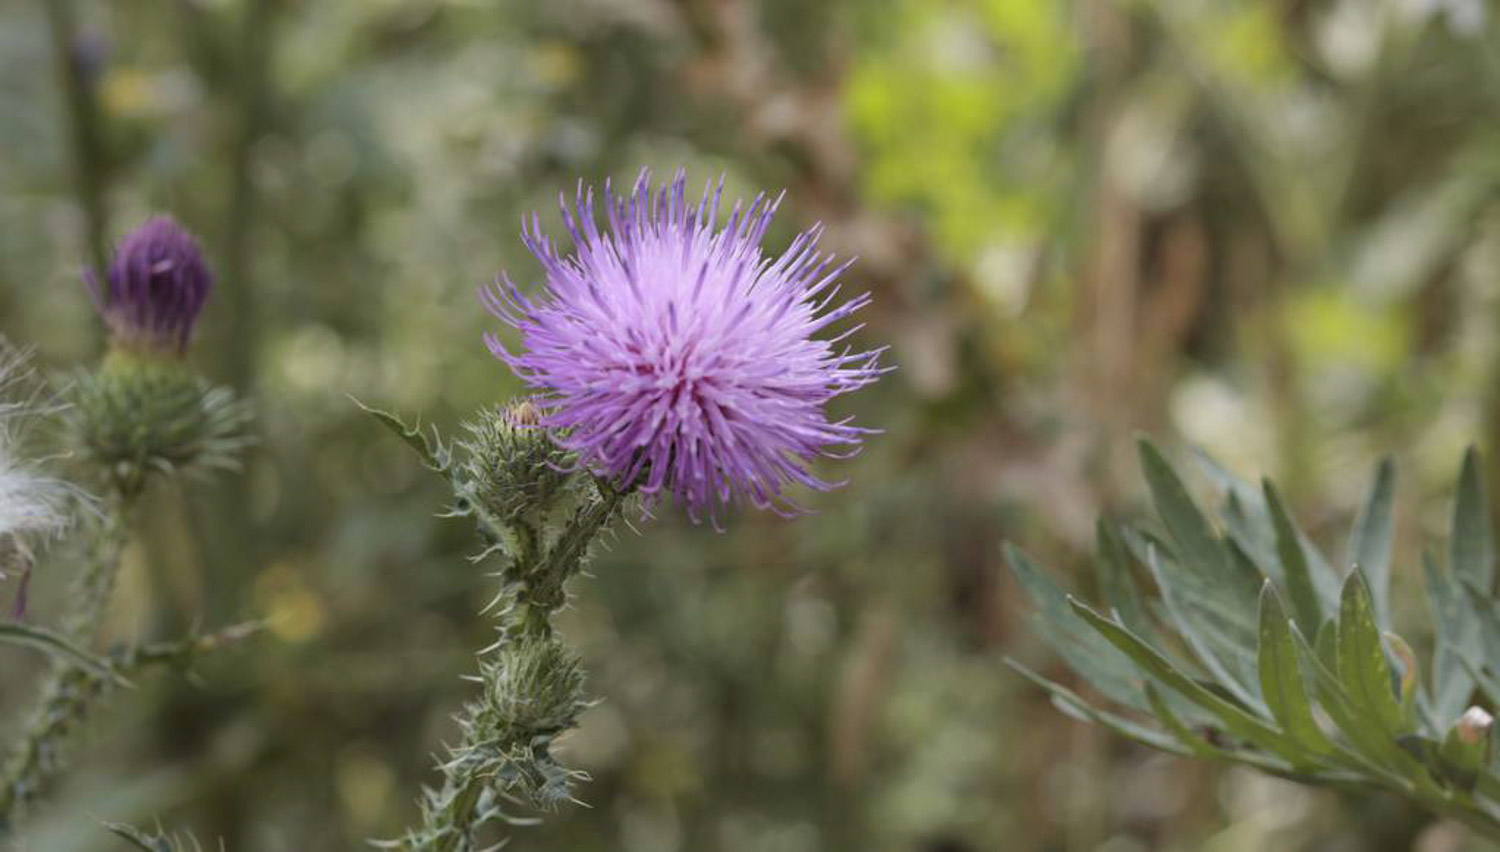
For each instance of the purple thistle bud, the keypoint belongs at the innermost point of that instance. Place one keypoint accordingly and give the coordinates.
(678, 356)
(157, 285)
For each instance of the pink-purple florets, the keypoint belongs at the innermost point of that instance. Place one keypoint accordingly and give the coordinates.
(676, 356)
(157, 284)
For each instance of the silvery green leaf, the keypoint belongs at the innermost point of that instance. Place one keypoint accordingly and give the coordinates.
(1097, 661)
(1208, 618)
(1294, 563)
(1370, 540)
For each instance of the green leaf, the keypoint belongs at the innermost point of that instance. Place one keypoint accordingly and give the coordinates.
(1473, 547)
(1192, 741)
(1374, 750)
(1281, 677)
(1327, 646)
(48, 642)
(1294, 565)
(1235, 718)
(433, 457)
(1363, 669)
(1370, 541)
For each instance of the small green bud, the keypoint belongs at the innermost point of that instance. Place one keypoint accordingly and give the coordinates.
(136, 416)
(1466, 749)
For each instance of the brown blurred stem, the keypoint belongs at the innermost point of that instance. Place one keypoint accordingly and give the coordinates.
(221, 519)
(85, 128)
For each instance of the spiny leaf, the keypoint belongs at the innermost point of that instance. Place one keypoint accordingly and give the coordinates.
(1281, 677)
(1363, 668)
(411, 435)
(46, 641)
(158, 842)
(1370, 541)
(1299, 582)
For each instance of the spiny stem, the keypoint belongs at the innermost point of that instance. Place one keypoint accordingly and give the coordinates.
(69, 691)
(536, 579)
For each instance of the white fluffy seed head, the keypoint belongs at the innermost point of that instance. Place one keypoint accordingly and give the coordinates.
(33, 507)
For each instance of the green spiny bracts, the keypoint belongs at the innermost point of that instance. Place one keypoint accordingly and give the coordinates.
(514, 469)
(534, 688)
(137, 416)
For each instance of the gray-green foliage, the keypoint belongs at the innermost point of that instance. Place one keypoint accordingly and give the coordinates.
(538, 516)
(1256, 651)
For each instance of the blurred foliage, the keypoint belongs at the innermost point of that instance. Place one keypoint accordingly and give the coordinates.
(1269, 229)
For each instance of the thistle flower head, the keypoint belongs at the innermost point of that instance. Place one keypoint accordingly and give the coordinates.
(677, 356)
(154, 289)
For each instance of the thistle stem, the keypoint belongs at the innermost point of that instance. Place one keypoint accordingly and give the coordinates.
(535, 580)
(85, 129)
(69, 691)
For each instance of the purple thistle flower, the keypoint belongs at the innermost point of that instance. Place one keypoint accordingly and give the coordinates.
(676, 356)
(157, 285)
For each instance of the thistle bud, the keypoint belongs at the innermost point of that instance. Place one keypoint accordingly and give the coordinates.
(154, 289)
(533, 688)
(135, 417)
(512, 463)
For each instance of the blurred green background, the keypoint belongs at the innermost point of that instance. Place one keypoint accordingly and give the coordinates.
(1269, 228)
